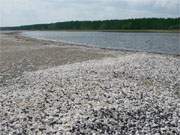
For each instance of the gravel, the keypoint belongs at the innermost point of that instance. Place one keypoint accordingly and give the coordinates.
(133, 94)
(20, 54)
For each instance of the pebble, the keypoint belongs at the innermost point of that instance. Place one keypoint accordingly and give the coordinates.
(126, 95)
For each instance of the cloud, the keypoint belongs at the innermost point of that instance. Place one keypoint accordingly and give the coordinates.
(21, 12)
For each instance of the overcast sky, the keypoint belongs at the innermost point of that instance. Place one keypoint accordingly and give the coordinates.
(22, 12)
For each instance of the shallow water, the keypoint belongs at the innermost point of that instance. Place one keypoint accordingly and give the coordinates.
(168, 43)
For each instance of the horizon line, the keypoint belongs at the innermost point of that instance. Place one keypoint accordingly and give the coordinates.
(89, 21)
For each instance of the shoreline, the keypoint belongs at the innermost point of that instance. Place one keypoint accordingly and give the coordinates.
(94, 47)
(123, 30)
(33, 54)
(50, 87)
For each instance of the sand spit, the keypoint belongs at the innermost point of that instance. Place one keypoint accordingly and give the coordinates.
(134, 94)
(20, 54)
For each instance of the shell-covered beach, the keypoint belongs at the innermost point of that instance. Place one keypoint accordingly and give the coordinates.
(52, 88)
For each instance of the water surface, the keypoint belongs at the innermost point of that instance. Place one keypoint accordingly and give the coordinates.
(168, 43)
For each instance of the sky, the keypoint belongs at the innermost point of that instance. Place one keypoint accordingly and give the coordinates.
(24, 12)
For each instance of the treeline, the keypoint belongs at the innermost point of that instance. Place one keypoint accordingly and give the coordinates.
(129, 24)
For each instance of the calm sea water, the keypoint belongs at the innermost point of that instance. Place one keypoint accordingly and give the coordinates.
(168, 43)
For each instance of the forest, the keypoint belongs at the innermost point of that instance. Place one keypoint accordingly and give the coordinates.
(128, 24)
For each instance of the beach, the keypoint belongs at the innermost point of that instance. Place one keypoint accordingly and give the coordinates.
(49, 87)
(20, 54)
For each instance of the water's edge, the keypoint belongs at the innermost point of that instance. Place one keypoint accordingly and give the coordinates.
(21, 33)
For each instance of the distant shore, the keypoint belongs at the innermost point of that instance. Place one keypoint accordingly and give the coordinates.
(130, 30)
(124, 24)
(148, 31)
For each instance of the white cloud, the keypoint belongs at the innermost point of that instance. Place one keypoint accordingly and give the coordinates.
(19, 12)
